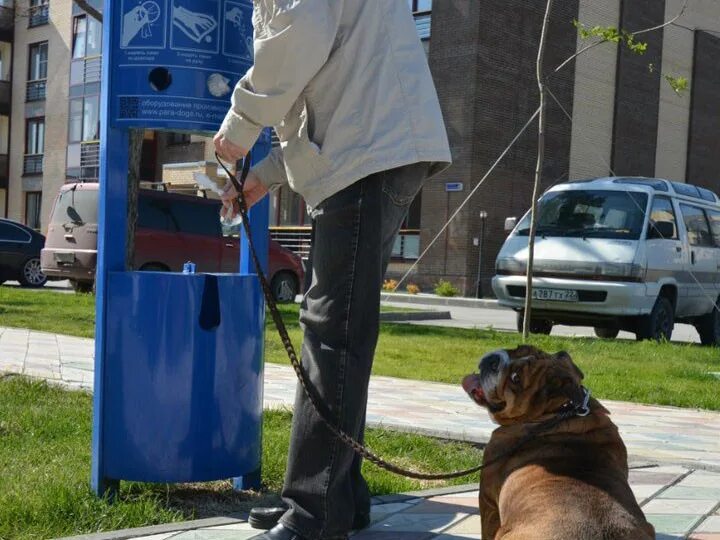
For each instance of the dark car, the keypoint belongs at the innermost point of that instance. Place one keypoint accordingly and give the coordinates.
(20, 249)
(171, 229)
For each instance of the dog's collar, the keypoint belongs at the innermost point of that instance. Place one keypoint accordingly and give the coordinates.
(571, 408)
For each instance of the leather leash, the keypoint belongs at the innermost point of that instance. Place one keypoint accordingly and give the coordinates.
(569, 410)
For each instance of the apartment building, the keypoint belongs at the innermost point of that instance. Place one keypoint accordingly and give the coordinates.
(7, 32)
(50, 75)
(611, 112)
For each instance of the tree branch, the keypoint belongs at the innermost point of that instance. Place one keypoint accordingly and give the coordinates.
(85, 6)
(639, 32)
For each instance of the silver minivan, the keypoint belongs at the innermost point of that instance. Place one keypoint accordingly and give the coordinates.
(634, 254)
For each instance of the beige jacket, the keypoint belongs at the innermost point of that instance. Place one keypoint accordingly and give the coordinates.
(346, 85)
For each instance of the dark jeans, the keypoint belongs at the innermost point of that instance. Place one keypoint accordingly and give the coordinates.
(353, 235)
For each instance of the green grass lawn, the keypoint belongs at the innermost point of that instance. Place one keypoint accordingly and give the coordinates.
(45, 468)
(647, 372)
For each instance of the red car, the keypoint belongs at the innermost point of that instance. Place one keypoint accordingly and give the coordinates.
(171, 229)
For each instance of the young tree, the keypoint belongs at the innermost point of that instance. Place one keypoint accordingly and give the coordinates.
(598, 35)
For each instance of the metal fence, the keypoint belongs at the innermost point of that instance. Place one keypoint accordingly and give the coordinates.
(36, 90)
(298, 239)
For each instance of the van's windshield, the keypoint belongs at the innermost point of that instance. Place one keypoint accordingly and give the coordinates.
(76, 207)
(589, 214)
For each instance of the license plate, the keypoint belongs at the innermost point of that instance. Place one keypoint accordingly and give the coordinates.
(555, 295)
(65, 258)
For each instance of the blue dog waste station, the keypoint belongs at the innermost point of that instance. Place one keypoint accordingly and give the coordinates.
(178, 357)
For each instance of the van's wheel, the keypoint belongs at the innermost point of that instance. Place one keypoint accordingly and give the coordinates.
(32, 274)
(708, 326)
(537, 326)
(659, 323)
(284, 287)
(607, 332)
(84, 287)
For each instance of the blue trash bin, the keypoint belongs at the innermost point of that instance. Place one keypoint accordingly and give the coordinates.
(182, 377)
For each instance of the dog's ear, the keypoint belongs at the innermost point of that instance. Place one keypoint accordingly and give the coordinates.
(569, 384)
(564, 356)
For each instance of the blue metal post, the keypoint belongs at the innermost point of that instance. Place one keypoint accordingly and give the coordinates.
(259, 223)
(112, 209)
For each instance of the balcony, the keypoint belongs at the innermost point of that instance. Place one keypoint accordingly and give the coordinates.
(32, 164)
(7, 23)
(5, 87)
(407, 245)
(38, 15)
(89, 161)
(4, 176)
(36, 90)
(422, 24)
(296, 239)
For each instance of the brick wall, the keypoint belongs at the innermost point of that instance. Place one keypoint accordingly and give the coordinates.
(483, 56)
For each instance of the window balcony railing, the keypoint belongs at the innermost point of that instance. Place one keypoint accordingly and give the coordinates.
(407, 245)
(92, 71)
(36, 90)
(38, 15)
(423, 20)
(90, 161)
(33, 164)
(296, 239)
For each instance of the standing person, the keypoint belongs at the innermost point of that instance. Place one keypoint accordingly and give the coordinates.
(346, 85)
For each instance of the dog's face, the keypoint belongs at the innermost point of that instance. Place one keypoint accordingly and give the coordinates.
(524, 384)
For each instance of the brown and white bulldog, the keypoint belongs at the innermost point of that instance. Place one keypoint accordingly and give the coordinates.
(569, 481)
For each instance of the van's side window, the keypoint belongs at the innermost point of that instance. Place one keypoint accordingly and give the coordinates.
(697, 226)
(662, 210)
(714, 217)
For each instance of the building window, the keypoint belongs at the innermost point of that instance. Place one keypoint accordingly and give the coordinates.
(420, 5)
(37, 71)
(83, 151)
(34, 146)
(87, 37)
(33, 202)
(84, 121)
(176, 138)
(39, 13)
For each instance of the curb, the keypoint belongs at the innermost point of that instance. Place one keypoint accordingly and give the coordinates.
(434, 300)
(151, 530)
(180, 526)
(399, 316)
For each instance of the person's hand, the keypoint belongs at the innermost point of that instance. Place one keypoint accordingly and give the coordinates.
(254, 191)
(227, 150)
(133, 21)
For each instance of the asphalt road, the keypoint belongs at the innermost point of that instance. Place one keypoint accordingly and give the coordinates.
(504, 319)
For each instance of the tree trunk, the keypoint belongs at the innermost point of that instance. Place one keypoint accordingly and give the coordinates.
(538, 172)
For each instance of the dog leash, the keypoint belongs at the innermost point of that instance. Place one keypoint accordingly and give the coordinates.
(568, 410)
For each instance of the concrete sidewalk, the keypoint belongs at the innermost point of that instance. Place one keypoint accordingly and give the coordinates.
(662, 434)
(679, 502)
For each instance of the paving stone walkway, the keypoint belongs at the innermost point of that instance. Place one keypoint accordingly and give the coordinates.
(679, 502)
(681, 499)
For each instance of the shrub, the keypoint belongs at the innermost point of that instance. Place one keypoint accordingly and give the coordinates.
(389, 285)
(445, 288)
(412, 288)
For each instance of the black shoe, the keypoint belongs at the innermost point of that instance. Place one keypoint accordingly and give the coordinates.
(267, 518)
(279, 532)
